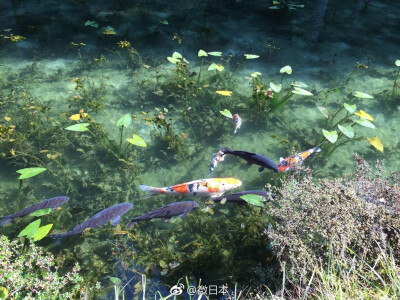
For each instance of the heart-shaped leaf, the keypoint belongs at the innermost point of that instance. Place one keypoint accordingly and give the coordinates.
(251, 56)
(226, 113)
(347, 131)
(365, 123)
(275, 87)
(215, 53)
(30, 172)
(137, 141)
(255, 74)
(299, 84)
(173, 60)
(30, 230)
(286, 69)
(331, 136)
(253, 199)
(351, 108)
(224, 93)
(362, 95)
(78, 127)
(376, 142)
(300, 91)
(42, 232)
(41, 212)
(323, 111)
(202, 53)
(364, 115)
(125, 121)
(91, 23)
(116, 280)
(177, 55)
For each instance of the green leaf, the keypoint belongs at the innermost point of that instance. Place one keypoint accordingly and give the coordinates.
(173, 60)
(251, 56)
(41, 212)
(351, 108)
(286, 69)
(226, 113)
(362, 95)
(30, 230)
(3, 292)
(202, 53)
(165, 22)
(30, 172)
(255, 74)
(323, 111)
(125, 121)
(214, 66)
(300, 91)
(215, 53)
(275, 87)
(163, 264)
(331, 136)
(42, 232)
(397, 62)
(299, 84)
(365, 123)
(91, 23)
(177, 55)
(137, 141)
(347, 131)
(78, 127)
(116, 280)
(253, 199)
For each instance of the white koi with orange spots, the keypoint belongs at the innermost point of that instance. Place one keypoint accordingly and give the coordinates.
(210, 187)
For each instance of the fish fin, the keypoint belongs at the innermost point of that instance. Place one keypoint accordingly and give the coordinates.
(216, 195)
(115, 220)
(317, 149)
(260, 169)
(151, 191)
(131, 224)
(5, 221)
(182, 215)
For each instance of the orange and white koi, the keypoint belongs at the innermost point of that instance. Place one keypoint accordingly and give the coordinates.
(288, 163)
(216, 158)
(213, 187)
(237, 120)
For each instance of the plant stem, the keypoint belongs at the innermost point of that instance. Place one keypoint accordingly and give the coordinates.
(19, 193)
(120, 141)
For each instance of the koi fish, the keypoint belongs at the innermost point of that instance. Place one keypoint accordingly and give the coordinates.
(170, 210)
(200, 188)
(288, 163)
(235, 197)
(216, 158)
(49, 203)
(237, 120)
(253, 158)
(112, 213)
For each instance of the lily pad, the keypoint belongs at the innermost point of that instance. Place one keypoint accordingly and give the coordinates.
(351, 108)
(42, 232)
(286, 69)
(275, 87)
(376, 142)
(41, 212)
(331, 136)
(300, 91)
(30, 230)
(323, 111)
(78, 127)
(347, 131)
(365, 123)
(137, 141)
(251, 56)
(202, 53)
(30, 172)
(125, 121)
(215, 53)
(226, 113)
(253, 199)
(362, 95)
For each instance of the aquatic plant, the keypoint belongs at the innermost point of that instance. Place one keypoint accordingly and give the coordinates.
(134, 59)
(396, 87)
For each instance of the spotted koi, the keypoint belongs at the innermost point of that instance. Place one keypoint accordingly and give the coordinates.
(237, 120)
(288, 163)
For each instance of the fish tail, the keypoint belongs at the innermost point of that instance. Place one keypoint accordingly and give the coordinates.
(225, 150)
(151, 191)
(317, 149)
(5, 221)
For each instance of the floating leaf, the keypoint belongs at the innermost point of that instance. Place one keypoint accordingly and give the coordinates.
(253, 199)
(362, 95)
(299, 84)
(286, 69)
(202, 53)
(275, 87)
(251, 56)
(351, 108)
(323, 111)
(78, 127)
(364, 115)
(347, 131)
(365, 123)
(215, 53)
(91, 23)
(226, 113)
(30, 172)
(376, 142)
(331, 136)
(125, 121)
(397, 62)
(115, 280)
(42, 232)
(300, 91)
(255, 74)
(165, 22)
(30, 230)
(41, 212)
(224, 93)
(137, 141)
